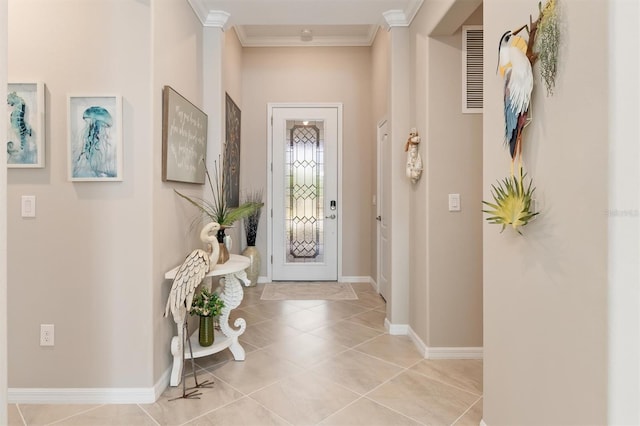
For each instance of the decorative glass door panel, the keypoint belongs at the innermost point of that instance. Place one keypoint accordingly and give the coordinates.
(304, 193)
(304, 196)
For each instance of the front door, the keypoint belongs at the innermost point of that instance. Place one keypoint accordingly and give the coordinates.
(305, 206)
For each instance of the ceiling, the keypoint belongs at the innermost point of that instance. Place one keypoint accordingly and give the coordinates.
(261, 23)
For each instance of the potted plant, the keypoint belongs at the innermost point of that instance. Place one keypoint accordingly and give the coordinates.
(207, 306)
(251, 230)
(217, 210)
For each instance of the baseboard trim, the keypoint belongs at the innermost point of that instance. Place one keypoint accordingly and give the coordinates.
(444, 352)
(262, 280)
(396, 329)
(482, 423)
(354, 279)
(90, 395)
(417, 341)
(455, 353)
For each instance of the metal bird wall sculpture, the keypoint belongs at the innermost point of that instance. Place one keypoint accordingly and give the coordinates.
(188, 278)
(515, 68)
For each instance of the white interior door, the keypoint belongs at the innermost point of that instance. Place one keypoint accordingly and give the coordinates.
(305, 204)
(384, 245)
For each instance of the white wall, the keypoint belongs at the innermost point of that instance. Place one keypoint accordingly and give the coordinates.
(315, 74)
(545, 293)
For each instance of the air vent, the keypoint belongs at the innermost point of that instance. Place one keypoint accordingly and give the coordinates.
(472, 95)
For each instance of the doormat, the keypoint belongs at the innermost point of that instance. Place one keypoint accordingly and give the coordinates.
(308, 291)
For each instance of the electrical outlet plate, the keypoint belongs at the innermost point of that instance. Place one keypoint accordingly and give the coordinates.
(46, 335)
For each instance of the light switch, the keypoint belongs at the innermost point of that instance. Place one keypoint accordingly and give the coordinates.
(454, 202)
(28, 206)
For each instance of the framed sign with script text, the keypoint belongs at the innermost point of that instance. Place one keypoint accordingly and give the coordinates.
(184, 139)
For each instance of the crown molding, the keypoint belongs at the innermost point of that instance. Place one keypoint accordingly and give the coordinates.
(217, 18)
(291, 41)
(395, 18)
(209, 18)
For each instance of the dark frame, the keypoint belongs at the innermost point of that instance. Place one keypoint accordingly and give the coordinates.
(231, 169)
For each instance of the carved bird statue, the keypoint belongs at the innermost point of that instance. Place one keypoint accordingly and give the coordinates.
(188, 278)
(515, 68)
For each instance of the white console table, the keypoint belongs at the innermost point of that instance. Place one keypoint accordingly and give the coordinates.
(232, 272)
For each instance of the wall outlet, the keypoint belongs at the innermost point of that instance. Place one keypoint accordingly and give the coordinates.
(46, 334)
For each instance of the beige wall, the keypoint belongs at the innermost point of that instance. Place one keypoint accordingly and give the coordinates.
(101, 248)
(178, 39)
(3, 226)
(68, 265)
(446, 284)
(545, 293)
(316, 74)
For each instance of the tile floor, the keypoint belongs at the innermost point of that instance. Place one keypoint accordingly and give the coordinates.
(311, 362)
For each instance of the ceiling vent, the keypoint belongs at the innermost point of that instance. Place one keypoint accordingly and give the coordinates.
(472, 62)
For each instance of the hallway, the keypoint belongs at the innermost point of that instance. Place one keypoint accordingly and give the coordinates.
(309, 362)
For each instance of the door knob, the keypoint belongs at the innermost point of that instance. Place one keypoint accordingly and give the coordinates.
(333, 216)
(379, 218)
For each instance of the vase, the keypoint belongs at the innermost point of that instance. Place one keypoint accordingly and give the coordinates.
(205, 333)
(224, 253)
(254, 267)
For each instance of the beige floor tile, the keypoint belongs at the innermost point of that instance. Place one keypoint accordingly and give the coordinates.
(471, 417)
(465, 374)
(268, 332)
(304, 399)
(347, 333)
(398, 350)
(272, 308)
(306, 320)
(365, 412)
(368, 300)
(41, 414)
(357, 371)
(306, 304)
(250, 317)
(107, 415)
(424, 400)
(305, 350)
(372, 319)
(244, 412)
(257, 371)
(13, 415)
(363, 288)
(167, 412)
(336, 310)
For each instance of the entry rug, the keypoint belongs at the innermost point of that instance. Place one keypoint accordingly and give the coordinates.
(308, 291)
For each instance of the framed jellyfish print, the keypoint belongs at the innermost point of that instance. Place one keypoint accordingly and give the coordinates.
(25, 143)
(94, 150)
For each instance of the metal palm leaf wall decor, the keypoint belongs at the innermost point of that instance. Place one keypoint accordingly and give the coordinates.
(512, 199)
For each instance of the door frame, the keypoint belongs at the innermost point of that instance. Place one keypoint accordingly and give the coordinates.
(269, 204)
(379, 206)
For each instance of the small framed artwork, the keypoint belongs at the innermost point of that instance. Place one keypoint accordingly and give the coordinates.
(231, 170)
(95, 138)
(184, 139)
(25, 130)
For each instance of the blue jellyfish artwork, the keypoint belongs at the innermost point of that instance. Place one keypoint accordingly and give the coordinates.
(21, 144)
(97, 154)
